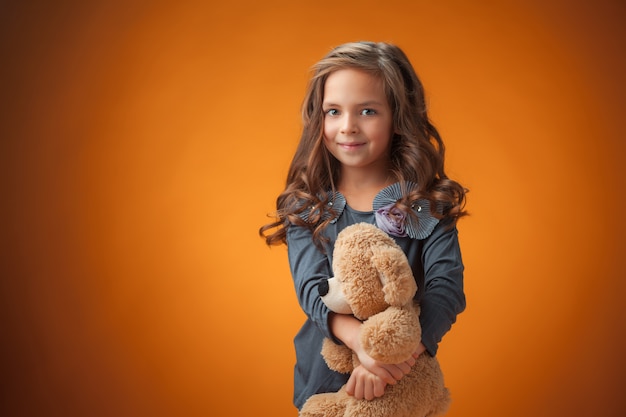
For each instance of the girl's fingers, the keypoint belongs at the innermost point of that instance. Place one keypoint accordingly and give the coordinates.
(389, 374)
(398, 371)
(368, 389)
(358, 390)
(379, 388)
(350, 385)
(411, 361)
(404, 367)
(363, 384)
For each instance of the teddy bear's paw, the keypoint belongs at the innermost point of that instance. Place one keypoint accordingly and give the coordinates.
(392, 335)
(337, 357)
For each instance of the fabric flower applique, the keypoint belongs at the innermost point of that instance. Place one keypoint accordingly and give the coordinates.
(392, 220)
(399, 223)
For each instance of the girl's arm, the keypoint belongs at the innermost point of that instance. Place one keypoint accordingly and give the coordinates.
(443, 297)
(308, 267)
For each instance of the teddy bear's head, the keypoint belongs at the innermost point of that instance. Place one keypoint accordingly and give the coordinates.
(371, 273)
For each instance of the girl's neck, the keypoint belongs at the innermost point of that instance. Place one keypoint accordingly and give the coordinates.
(359, 187)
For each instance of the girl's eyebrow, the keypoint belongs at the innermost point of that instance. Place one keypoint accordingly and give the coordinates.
(371, 103)
(363, 104)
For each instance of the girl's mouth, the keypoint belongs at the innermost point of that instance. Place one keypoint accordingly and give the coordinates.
(350, 146)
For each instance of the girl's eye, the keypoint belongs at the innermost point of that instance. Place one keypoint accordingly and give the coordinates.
(368, 112)
(332, 112)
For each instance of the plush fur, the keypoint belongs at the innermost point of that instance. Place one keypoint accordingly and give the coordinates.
(374, 280)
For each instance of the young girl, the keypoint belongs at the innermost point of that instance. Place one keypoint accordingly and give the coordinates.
(368, 153)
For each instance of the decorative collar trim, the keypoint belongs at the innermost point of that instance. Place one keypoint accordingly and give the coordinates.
(389, 218)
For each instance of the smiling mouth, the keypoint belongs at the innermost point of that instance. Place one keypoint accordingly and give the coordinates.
(350, 145)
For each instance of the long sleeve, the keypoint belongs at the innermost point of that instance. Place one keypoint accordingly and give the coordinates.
(308, 266)
(443, 298)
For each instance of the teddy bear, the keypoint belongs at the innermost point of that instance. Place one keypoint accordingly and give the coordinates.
(374, 282)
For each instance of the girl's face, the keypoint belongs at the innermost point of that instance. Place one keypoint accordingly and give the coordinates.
(358, 124)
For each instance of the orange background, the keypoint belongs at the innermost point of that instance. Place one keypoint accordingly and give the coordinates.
(143, 144)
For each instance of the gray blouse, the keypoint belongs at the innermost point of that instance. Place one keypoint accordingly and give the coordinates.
(432, 248)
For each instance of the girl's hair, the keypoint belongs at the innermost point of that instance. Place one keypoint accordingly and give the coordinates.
(417, 150)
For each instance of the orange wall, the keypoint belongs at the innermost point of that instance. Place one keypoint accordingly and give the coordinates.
(142, 145)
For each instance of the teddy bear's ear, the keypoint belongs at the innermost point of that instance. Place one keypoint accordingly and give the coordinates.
(395, 273)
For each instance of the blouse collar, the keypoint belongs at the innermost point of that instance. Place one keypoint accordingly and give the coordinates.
(388, 218)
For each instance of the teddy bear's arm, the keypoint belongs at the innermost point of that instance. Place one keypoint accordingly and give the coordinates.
(337, 357)
(392, 335)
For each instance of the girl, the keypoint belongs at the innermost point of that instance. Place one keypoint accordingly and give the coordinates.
(368, 153)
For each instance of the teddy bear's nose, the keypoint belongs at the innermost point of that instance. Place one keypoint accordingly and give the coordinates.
(322, 287)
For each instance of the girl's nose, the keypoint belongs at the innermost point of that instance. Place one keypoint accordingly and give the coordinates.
(349, 125)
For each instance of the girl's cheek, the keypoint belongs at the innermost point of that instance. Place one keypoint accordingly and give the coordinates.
(330, 129)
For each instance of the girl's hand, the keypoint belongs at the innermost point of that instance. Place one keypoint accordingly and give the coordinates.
(388, 373)
(364, 384)
(369, 380)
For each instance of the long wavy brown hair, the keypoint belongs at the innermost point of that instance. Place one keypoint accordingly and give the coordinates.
(417, 150)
